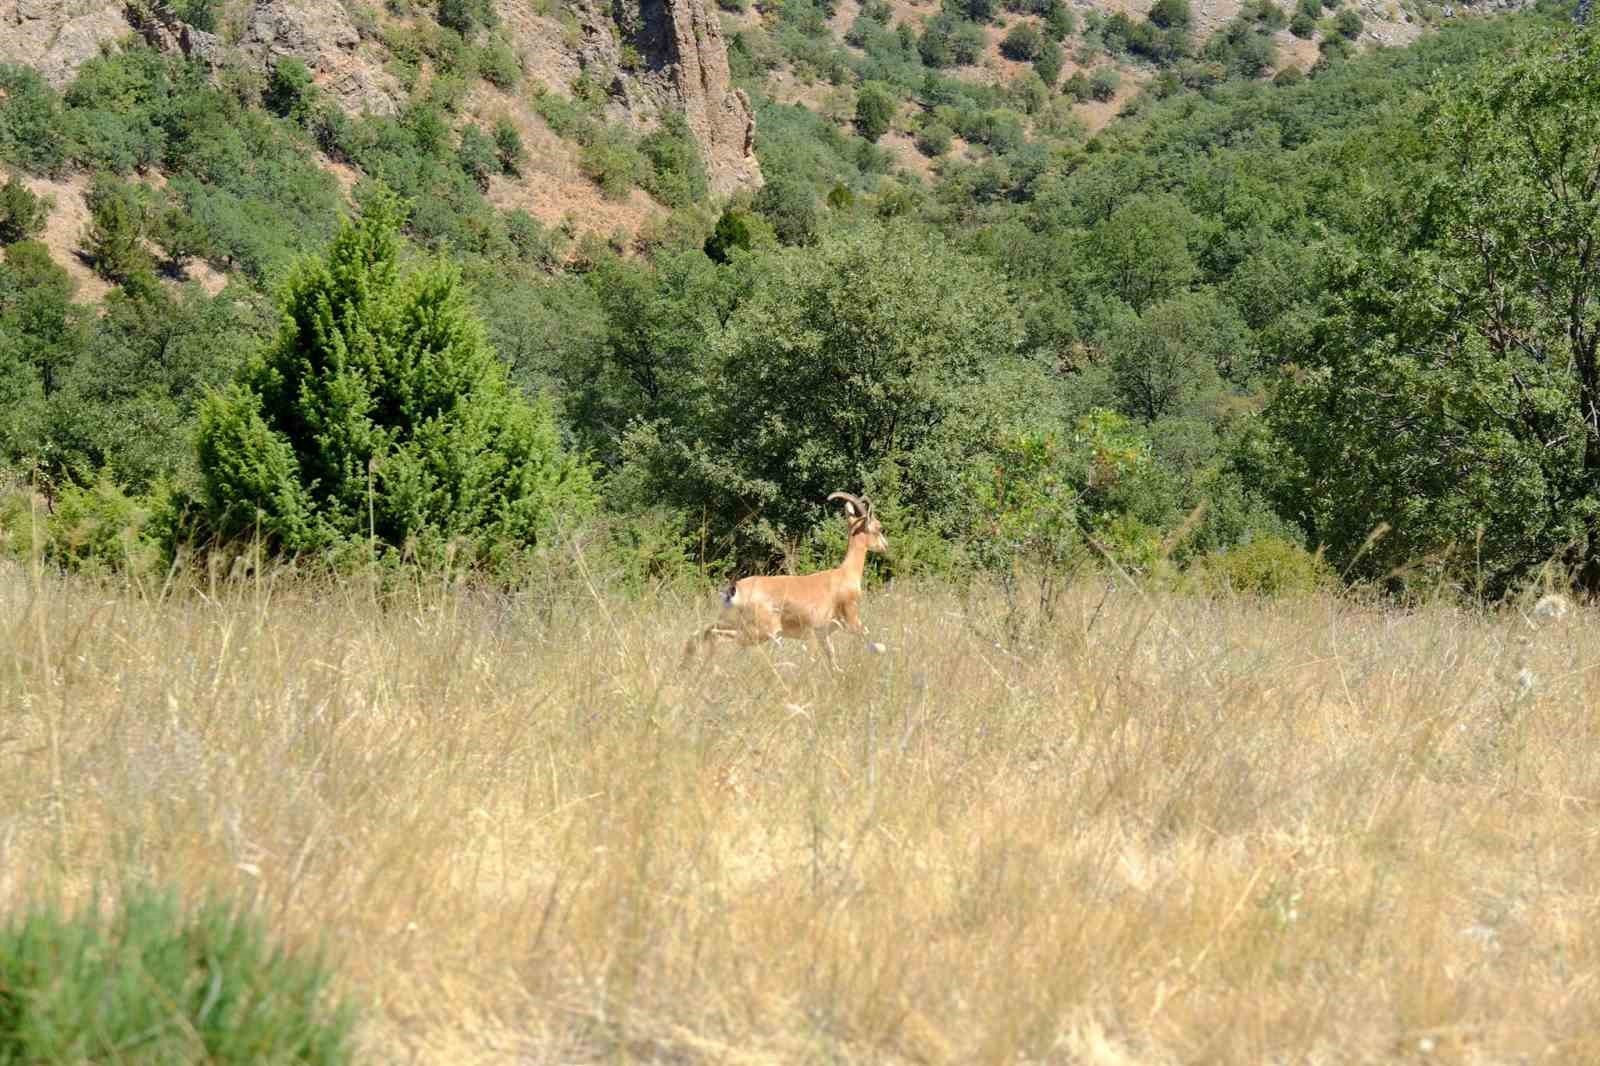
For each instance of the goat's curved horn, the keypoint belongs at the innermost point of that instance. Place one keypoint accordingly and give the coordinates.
(861, 508)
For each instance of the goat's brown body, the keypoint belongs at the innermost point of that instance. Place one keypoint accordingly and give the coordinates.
(765, 608)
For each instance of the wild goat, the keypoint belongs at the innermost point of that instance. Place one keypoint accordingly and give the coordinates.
(768, 608)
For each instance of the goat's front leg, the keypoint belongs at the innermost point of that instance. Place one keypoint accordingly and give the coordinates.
(852, 622)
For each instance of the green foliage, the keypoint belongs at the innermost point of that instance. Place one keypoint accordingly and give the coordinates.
(467, 16)
(877, 357)
(790, 206)
(1166, 361)
(1448, 393)
(1023, 42)
(1266, 566)
(933, 138)
(1104, 83)
(677, 173)
(1141, 249)
(738, 230)
(114, 238)
(153, 981)
(1171, 14)
(875, 110)
(22, 214)
(499, 65)
(613, 162)
(1059, 22)
(1049, 62)
(1303, 26)
(179, 236)
(478, 156)
(290, 93)
(95, 529)
(1347, 23)
(381, 417)
(30, 122)
(508, 146)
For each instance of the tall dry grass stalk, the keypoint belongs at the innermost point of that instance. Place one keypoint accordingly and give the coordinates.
(1174, 830)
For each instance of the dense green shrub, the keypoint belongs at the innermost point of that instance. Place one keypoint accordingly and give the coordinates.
(933, 138)
(1303, 26)
(114, 238)
(477, 156)
(1171, 14)
(31, 122)
(1023, 42)
(677, 172)
(22, 214)
(380, 417)
(875, 109)
(508, 147)
(154, 981)
(1265, 566)
(1347, 23)
(1104, 83)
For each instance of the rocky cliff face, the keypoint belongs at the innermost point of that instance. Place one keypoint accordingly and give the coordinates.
(55, 38)
(653, 56)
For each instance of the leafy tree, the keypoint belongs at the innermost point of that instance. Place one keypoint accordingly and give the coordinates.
(467, 16)
(1023, 42)
(477, 156)
(22, 214)
(290, 92)
(1166, 361)
(875, 108)
(880, 356)
(1048, 63)
(1171, 14)
(41, 333)
(789, 203)
(1347, 24)
(1059, 21)
(114, 237)
(934, 138)
(677, 175)
(1303, 26)
(1104, 82)
(31, 122)
(737, 229)
(179, 236)
(1141, 250)
(509, 148)
(1451, 393)
(380, 412)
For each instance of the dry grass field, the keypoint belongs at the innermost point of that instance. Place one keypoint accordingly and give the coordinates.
(1169, 830)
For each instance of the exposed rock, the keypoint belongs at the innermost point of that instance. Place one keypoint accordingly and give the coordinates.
(670, 55)
(320, 34)
(720, 116)
(56, 38)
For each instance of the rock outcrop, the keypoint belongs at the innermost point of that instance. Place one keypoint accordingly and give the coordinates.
(56, 38)
(719, 116)
(320, 34)
(653, 57)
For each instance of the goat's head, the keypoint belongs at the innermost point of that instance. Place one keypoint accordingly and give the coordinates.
(858, 512)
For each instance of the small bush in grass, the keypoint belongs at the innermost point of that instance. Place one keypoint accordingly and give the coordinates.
(1022, 42)
(97, 530)
(1104, 82)
(508, 147)
(934, 138)
(157, 982)
(1267, 566)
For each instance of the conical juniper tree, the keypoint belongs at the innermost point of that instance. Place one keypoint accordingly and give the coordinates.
(381, 417)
